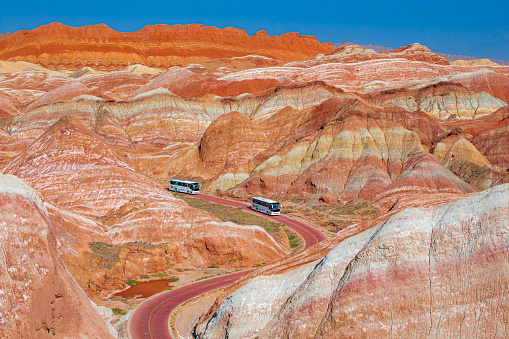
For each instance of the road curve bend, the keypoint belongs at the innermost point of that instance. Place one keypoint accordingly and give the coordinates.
(150, 319)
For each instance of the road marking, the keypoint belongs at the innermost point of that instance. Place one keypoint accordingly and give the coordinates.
(295, 223)
(305, 229)
(177, 295)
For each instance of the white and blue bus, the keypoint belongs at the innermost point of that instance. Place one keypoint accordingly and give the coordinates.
(182, 186)
(266, 206)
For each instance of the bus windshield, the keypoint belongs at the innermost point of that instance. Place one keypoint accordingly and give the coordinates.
(274, 207)
(196, 187)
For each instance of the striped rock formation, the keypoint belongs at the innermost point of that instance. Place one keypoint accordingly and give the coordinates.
(244, 115)
(57, 46)
(437, 270)
(95, 196)
(39, 297)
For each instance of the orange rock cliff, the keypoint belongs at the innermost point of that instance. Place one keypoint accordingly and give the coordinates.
(87, 146)
(58, 46)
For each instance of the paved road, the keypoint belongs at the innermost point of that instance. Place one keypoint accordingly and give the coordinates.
(310, 234)
(150, 320)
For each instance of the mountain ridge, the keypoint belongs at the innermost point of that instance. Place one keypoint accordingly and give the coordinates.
(160, 46)
(449, 56)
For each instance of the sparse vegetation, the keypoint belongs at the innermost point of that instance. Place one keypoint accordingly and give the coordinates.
(118, 311)
(144, 276)
(236, 215)
(335, 217)
(99, 244)
(173, 279)
(108, 254)
(293, 238)
(133, 282)
(294, 241)
(160, 275)
(336, 225)
(212, 266)
(205, 277)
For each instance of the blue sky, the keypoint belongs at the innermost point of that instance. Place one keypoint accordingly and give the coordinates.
(466, 27)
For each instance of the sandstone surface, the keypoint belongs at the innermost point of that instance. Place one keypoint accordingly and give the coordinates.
(303, 147)
(96, 197)
(57, 46)
(39, 297)
(352, 150)
(13, 67)
(438, 270)
(475, 62)
(354, 53)
(283, 117)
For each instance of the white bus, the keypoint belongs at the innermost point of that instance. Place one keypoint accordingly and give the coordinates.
(266, 206)
(182, 186)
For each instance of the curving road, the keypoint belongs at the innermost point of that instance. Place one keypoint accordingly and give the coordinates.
(310, 234)
(150, 320)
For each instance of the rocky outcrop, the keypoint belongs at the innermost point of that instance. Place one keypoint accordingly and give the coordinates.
(442, 99)
(484, 80)
(352, 150)
(57, 46)
(475, 62)
(351, 53)
(14, 67)
(96, 197)
(418, 52)
(436, 270)
(362, 76)
(259, 115)
(62, 93)
(39, 298)
(302, 149)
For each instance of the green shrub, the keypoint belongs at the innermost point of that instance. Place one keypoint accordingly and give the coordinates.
(173, 279)
(160, 275)
(133, 282)
(117, 310)
(212, 266)
(144, 276)
(205, 277)
(294, 241)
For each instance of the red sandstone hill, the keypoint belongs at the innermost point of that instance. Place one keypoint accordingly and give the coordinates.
(394, 129)
(39, 297)
(427, 270)
(415, 52)
(92, 195)
(57, 46)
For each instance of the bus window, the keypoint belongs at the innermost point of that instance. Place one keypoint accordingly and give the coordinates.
(196, 187)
